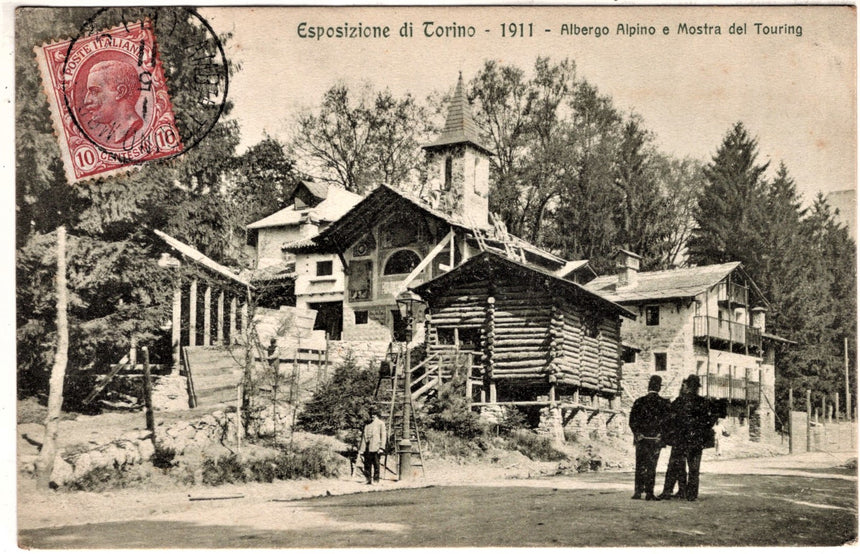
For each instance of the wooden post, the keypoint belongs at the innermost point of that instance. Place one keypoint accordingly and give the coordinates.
(147, 394)
(848, 412)
(493, 397)
(747, 391)
(176, 330)
(469, 388)
(207, 316)
(232, 337)
(790, 425)
(45, 462)
(808, 420)
(731, 383)
(192, 314)
(244, 314)
(238, 417)
(220, 332)
(823, 407)
(836, 402)
(132, 351)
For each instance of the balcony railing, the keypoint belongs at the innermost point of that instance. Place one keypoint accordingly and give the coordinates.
(723, 386)
(729, 332)
(732, 293)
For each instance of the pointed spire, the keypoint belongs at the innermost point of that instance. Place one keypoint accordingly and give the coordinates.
(460, 126)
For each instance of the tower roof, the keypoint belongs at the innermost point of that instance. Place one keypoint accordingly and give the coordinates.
(460, 126)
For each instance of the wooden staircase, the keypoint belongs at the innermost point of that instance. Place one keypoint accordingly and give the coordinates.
(213, 373)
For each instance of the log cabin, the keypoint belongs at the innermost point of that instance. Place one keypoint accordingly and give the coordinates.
(533, 336)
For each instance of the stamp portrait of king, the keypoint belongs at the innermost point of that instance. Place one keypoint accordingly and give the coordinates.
(109, 101)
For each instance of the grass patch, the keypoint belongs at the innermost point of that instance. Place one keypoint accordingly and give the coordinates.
(533, 446)
(101, 479)
(311, 462)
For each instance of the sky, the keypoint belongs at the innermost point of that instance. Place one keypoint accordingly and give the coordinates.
(796, 94)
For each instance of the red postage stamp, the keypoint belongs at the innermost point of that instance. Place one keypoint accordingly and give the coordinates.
(109, 101)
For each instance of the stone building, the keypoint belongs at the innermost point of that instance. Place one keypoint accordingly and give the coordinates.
(707, 320)
(392, 240)
(307, 280)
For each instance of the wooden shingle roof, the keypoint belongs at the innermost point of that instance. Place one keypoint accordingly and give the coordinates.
(460, 126)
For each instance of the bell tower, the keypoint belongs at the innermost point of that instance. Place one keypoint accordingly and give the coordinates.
(460, 164)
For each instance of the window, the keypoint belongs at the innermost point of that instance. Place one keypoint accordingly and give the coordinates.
(402, 261)
(628, 355)
(652, 315)
(324, 268)
(449, 172)
(659, 361)
(445, 335)
(360, 317)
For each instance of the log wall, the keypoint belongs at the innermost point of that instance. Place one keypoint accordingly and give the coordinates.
(527, 334)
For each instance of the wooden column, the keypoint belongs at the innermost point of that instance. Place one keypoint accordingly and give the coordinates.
(232, 337)
(207, 316)
(836, 401)
(808, 420)
(192, 313)
(790, 426)
(244, 317)
(747, 391)
(220, 332)
(176, 329)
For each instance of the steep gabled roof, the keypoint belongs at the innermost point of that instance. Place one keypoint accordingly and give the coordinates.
(337, 202)
(661, 285)
(199, 258)
(488, 264)
(343, 233)
(460, 126)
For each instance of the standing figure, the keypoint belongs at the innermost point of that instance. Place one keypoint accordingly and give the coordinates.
(676, 471)
(373, 445)
(694, 422)
(273, 356)
(646, 421)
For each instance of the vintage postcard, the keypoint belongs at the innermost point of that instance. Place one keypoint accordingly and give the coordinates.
(435, 276)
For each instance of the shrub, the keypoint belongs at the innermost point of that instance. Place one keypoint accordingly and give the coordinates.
(341, 402)
(163, 457)
(449, 411)
(104, 478)
(446, 445)
(513, 419)
(534, 446)
(310, 463)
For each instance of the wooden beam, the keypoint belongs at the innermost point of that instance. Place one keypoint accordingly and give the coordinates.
(425, 262)
(220, 332)
(192, 313)
(233, 337)
(176, 329)
(207, 316)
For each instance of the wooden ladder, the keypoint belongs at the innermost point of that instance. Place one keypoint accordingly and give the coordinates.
(513, 249)
(393, 401)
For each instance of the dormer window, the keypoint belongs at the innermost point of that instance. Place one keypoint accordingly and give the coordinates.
(449, 172)
(300, 204)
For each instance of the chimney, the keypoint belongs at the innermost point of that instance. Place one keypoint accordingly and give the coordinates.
(758, 318)
(627, 268)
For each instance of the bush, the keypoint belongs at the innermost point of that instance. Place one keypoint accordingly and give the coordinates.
(341, 402)
(310, 463)
(534, 446)
(449, 411)
(163, 457)
(105, 478)
(513, 419)
(443, 444)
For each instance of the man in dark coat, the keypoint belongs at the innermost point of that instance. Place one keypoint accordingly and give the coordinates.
(692, 422)
(646, 421)
(676, 471)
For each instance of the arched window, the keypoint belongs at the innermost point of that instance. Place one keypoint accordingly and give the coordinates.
(402, 261)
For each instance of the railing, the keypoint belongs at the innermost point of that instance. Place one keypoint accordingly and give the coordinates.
(724, 386)
(732, 293)
(725, 330)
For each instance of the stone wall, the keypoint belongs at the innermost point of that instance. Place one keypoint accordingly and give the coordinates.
(673, 336)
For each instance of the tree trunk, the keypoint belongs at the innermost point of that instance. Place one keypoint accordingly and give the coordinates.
(45, 463)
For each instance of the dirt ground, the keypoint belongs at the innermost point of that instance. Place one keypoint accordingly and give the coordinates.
(163, 514)
(793, 500)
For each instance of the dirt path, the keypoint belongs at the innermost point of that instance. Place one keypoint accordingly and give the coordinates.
(738, 506)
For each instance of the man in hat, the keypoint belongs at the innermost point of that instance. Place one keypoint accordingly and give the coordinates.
(646, 420)
(372, 445)
(693, 421)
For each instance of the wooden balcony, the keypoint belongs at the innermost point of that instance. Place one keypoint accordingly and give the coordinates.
(727, 335)
(724, 386)
(732, 294)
